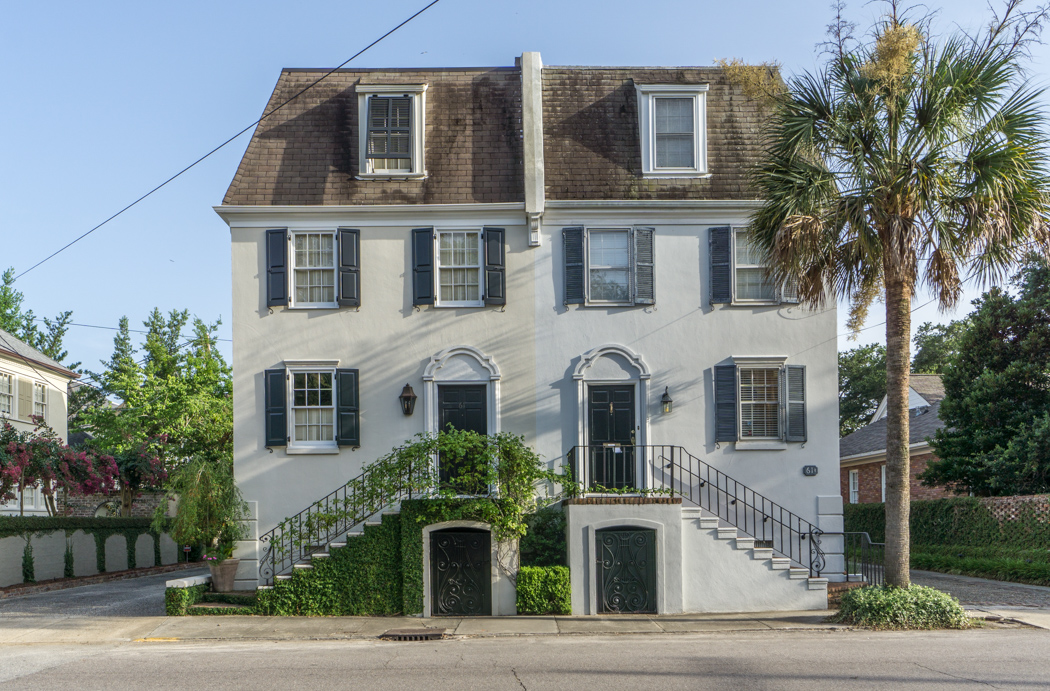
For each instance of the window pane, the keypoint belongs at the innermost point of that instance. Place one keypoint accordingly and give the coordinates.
(610, 285)
(760, 403)
(674, 115)
(754, 284)
(314, 413)
(609, 249)
(459, 259)
(674, 151)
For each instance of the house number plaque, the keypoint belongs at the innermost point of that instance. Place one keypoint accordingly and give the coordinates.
(809, 470)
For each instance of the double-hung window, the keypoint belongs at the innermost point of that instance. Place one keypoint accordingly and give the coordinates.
(672, 120)
(739, 271)
(312, 403)
(761, 400)
(391, 130)
(313, 270)
(7, 394)
(459, 268)
(752, 282)
(609, 266)
(40, 400)
(311, 407)
(854, 487)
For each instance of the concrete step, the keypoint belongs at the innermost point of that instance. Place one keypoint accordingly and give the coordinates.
(780, 563)
(727, 533)
(218, 606)
(708, 522)
(320, 555)
(284, 577)
(336, 545)
(796, 573)
(818, 584)
(762, 553)
(745, 543)
(374, 524)
(305, 567)
(266, 587)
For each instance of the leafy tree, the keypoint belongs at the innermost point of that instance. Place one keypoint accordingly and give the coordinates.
(935, 346)
(905, 160)
(862, 384)
(210, 510)
(173, 405)
(997, 395)
(23, 325)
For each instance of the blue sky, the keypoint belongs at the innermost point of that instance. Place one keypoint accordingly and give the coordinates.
(105, 100)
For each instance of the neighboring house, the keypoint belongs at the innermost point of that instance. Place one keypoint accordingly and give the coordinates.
(862, 454)
(33, 387)
(555, 252)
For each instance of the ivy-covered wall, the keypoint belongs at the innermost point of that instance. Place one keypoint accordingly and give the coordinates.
(36, 548)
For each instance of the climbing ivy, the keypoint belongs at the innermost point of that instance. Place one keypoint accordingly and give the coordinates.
(28, 568)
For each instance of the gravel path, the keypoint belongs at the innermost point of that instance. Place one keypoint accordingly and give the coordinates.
(133, 597)
(975, 592)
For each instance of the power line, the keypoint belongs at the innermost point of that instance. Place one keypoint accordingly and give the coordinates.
(117, 328)
(228, 141)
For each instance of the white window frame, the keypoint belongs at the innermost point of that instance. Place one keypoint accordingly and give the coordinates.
(8, 396)
(438, 302)
(779, 363)
(293, 267)
(590, 300)
(779, 401)
(311, 446)
(854, 487)
(775, 299)
(417, 92)
(647, 95)
(40, 400)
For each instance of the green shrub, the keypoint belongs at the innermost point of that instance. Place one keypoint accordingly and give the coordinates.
(544, 590)
(1000, 568)
(28, 567)
(544, 542)
(67, 559)
(177, 601)
(915, 607)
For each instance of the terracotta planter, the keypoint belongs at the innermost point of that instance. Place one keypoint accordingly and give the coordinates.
(223, 574)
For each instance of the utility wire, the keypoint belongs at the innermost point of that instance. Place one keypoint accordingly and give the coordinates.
(223, 145)
(117, 328)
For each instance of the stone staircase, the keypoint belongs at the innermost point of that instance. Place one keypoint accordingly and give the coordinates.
(325, 551)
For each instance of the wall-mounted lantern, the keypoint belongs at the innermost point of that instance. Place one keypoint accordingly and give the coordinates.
(408, 400)
(666, 401)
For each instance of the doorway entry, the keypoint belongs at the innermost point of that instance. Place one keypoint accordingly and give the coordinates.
(626, 575)
(460, 572)
(611, 436)
(461, 407)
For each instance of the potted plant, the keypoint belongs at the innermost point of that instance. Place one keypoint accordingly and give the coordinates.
(209, 511)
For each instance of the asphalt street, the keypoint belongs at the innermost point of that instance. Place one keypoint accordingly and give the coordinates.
(810, 661)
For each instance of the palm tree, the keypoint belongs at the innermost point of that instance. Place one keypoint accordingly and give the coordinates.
(905, 162)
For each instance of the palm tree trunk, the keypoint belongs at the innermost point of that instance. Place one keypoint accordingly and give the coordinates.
(898, 472)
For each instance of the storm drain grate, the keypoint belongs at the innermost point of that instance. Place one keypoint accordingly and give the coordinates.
(413, 635)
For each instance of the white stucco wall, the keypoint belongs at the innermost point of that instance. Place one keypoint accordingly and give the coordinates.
(536, 342)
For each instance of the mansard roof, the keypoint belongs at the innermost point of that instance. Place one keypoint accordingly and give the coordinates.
(306, 153)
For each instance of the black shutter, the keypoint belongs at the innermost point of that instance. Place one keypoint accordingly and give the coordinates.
(796, 402)
(574, 268)
(644, 266)
(725, 403)
(348, 414)
(495, 267)
(277, 267)
(276, 411)
(721, 267)
(423, 266)
(349, 267)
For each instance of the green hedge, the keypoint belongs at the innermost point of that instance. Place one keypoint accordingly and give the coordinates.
(545, 544)
(957, 521)
(177, 601)
(544, 590)
(361, 579)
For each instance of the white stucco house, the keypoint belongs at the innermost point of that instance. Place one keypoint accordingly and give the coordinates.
(32, 387)
(555, 252)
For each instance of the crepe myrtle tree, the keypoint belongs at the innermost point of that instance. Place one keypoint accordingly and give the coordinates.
(905, 161)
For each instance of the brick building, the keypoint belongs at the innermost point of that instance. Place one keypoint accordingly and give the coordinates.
(862, 454)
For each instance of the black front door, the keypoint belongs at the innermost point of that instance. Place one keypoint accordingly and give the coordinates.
(460, 573)
(626, 570)
(462, 408)
(612, 454)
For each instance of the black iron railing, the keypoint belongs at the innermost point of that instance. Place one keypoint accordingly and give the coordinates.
(672, 469)
(865, 558)
(328, 518)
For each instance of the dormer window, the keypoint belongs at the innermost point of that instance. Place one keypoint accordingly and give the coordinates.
(672, 120)
(391, 130)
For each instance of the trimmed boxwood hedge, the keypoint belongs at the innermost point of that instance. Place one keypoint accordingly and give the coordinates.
(544, 590)
(177, 601)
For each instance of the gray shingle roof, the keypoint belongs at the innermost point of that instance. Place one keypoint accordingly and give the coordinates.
(929, 386)
(21, 349)
(872, 438)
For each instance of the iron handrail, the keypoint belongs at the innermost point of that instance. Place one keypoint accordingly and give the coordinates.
(676, 470)
(864, 557)
(323, 521)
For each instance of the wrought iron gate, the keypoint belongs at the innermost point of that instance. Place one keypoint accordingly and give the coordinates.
(460, 573)
(626, 570)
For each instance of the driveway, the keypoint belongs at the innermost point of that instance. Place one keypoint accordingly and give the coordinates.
(983, 593)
